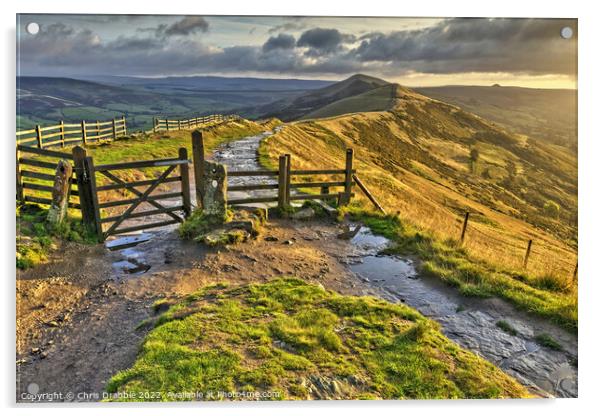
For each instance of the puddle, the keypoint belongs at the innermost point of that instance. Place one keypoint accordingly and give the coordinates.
(131, 266)
(120, 243)
(471, 322)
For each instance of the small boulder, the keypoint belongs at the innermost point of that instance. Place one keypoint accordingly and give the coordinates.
(304, 214)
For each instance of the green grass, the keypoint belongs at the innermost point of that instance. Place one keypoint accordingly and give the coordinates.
(275, 336)
(506, 327)
(453, 264)
(166, 144)
(546, 340)
(36, 237)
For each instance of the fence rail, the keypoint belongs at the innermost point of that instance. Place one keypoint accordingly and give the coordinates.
(284, 183)
(187, 124)
(35, 177)
(64, 134)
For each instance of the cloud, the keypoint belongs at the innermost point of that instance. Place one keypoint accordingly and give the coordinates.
(469, 45)
(452, 46)
(323, 41)
(282, 41)
(295, 25)
(187, 26)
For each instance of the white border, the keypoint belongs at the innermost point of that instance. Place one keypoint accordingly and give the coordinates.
(590, 202)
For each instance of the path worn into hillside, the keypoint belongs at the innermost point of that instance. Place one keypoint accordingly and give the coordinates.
(78, 315)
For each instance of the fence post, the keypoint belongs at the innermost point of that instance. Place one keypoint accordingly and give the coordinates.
(125, 129)
(346, 198)
(464, 226)
(179, 124)
(60, 192)
(282, 182)
(167, 124)
(185, 181)
(39, 135)
(83, 188)
(198, 158)
(97, 130)
(287, 187)
(19, 180)
(114, 129)
(62, 124)
(91, 172)
(84, 137)
(527, 253)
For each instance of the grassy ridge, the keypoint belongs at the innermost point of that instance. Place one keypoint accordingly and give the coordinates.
(289, 338)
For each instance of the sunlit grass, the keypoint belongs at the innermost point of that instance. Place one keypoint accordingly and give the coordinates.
(276, 336)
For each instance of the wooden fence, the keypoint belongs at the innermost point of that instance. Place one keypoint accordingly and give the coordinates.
(187, 124)
(284, 185)
(35, 175)
(64, 134)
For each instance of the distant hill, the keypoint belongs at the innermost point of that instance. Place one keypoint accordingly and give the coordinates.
(301, 105)
(42, 100)
(545, 114)
(381, 98)
(211, 83)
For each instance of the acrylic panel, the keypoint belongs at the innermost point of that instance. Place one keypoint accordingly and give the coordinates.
(295, 208)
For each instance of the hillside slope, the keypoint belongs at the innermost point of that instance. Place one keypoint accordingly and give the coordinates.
(292, 109)
(546, 114)
(433, 162)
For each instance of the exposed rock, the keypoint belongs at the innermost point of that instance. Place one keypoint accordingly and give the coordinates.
(271, 238)
(304, 214)
(349, 233)
(214, 185)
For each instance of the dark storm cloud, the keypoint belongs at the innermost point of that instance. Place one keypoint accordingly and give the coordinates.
(452, 46)
(184, 27)
(323, 41)
(187, 26)
(466, 45)
(282, 41)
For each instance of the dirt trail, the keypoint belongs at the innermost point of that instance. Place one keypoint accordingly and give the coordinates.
(78, 315)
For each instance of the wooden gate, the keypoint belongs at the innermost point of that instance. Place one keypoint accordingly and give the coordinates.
(105, 215)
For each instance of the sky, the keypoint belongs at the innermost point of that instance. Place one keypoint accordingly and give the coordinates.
(410, 51)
